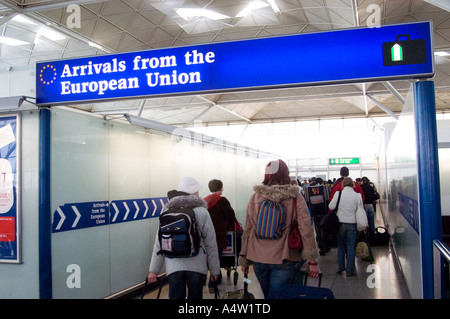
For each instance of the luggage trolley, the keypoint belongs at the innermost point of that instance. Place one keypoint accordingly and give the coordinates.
(230, 254)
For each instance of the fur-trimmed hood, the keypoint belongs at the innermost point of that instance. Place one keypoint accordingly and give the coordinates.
(180, 199)
(277, 193)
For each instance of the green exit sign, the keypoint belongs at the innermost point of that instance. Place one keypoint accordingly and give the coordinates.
(344, 160)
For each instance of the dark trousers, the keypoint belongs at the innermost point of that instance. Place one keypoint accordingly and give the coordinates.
(321, 236)
(180, 280)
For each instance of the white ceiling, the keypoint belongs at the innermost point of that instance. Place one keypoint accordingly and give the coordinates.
(131, 25)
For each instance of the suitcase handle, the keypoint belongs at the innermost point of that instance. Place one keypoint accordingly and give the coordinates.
(320, 279)
(159, 289)
(403, 35)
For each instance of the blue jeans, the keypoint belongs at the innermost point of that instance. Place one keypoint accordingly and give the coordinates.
(346, 240)
(370, 211)
(178, 281)
(271, 276)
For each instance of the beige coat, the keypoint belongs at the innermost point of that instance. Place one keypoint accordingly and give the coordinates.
(275, 251)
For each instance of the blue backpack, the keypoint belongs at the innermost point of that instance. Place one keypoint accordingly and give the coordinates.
(178, 233)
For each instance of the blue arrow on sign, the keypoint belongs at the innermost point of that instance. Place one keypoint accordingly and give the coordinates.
(80, 215)
(90, 214)
(135, 209)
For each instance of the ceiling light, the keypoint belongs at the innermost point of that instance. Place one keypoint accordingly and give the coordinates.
(187, 13)
(13, 42)
(95, 45)
(274, 6)
(22, 19)
(252, 6)
(442, 53)
(50, 34)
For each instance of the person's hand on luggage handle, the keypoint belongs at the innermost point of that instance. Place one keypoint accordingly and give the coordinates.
(313, 269)
(245, 269)
(214, 278)
(152, 277)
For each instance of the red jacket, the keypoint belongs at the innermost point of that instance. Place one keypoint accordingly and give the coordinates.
(222, 216)
(338, 187)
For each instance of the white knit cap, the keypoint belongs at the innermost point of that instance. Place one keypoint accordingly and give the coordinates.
(189, 185)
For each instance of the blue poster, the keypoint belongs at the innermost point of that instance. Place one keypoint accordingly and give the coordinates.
(9, 214)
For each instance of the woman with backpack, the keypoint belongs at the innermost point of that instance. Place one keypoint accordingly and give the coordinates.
(273, 261)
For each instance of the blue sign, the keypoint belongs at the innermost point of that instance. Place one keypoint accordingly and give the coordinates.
(409, 208)
(355, 55)
(75, 216)
(136, 209)
(80, 215)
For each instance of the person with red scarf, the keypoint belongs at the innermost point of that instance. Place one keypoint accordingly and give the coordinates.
(222, 216)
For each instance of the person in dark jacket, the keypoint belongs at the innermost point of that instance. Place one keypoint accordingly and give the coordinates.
(369, 198)
(222, 216)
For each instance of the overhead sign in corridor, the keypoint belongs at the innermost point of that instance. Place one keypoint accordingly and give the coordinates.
(343, 160)
(355, 55)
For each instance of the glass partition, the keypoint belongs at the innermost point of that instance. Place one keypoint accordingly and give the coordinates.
(109, 185)
(399, 194)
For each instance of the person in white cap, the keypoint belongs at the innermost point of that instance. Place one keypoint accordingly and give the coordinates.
(188, 272)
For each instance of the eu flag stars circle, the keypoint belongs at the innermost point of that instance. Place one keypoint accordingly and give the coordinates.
(47, 74)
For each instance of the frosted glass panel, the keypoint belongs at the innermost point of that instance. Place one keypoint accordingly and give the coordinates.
(402, 211)
(79, 158)
(128, 179)
(163, 169)
(128, 162)
(79, 174)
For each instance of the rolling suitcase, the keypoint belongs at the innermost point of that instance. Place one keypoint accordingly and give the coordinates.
(229, 258)
(303, 291)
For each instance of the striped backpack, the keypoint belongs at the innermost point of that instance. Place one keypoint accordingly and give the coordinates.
(271, 220)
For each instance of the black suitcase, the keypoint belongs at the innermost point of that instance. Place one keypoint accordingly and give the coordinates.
(303, 291)
(229, 258)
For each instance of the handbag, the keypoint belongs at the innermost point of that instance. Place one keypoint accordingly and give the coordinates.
(361, 218)
(362, 250)
(330, 222)
(294, 239)
(240, 293)
(382, 238)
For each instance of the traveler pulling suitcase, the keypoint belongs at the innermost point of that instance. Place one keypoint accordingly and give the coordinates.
(303, 292)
